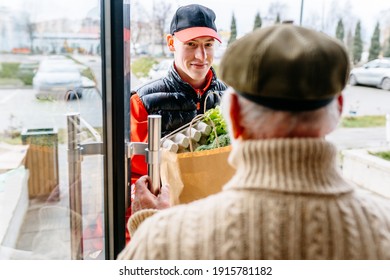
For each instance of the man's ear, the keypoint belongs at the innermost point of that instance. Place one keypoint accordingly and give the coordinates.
(340, 102)
(170, 42)
(235, 116)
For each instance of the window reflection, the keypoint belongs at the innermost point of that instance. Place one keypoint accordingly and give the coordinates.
(50, 67)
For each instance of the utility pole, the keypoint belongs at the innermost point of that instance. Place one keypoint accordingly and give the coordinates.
(300, 18)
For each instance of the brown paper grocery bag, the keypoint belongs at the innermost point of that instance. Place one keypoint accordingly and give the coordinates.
(195, 175)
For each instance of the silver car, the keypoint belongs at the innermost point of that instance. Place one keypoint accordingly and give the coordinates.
(374, 73)
(58, 79)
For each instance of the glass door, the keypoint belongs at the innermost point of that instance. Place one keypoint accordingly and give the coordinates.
(57, 195)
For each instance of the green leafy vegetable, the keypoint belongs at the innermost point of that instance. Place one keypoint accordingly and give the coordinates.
(214, 116)
(222, 141)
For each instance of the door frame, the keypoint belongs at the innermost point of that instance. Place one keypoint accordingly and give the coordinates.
(116, 123)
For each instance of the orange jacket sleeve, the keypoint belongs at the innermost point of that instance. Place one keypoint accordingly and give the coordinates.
(139, 133)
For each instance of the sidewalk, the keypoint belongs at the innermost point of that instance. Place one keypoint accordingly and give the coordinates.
(45, 233)
(358, 138)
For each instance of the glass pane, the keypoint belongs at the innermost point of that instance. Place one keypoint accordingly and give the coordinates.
(51, 196)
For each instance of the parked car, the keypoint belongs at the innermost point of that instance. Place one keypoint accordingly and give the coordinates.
(374, 73)
(58, 78)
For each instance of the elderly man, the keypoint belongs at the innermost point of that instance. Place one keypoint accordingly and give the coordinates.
(287, 199)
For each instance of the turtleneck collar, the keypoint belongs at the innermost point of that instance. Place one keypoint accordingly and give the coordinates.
(295, 165)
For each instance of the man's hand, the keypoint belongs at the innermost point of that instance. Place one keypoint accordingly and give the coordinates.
(143, 198)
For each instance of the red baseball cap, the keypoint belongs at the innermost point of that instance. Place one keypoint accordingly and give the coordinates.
(193, 21)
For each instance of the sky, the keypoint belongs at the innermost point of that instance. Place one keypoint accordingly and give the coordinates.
(244, 10)
(316, 13)
(50, 9)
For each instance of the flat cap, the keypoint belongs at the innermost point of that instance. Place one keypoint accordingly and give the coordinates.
(286, 67)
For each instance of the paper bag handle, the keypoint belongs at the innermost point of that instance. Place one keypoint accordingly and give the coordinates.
(201, 116)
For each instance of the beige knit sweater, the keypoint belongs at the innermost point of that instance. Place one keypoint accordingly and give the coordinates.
(286, 201)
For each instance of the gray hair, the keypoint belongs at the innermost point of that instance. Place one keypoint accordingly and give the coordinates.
(261, 122)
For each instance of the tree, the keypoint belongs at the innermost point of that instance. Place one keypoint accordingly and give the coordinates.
(326, 18)
(161, 12)
(349, 43)
(276, 10)
(357, 44)
(375, 46)
(140, 26)
(340, 30)
(233, 30)
(30, 27)
(386, 52)
(258, 21)
(277, 20)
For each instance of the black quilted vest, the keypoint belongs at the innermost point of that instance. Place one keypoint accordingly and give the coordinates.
(176, 101)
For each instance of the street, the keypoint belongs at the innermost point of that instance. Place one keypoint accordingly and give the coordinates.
(360, 100)
(20, 109)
